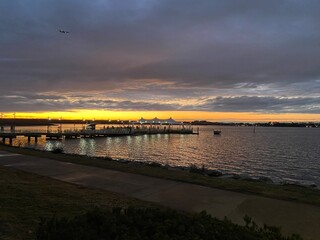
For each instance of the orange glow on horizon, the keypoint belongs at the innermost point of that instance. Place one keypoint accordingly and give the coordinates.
(178, 115)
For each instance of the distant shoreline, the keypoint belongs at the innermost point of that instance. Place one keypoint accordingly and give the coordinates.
(7, 122)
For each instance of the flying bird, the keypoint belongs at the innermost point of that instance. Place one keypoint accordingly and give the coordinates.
(63, 31)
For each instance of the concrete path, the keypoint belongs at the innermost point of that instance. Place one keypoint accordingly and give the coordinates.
(292, 217)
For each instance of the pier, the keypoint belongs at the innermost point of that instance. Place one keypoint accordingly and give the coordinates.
(83, 133)
(118, 128)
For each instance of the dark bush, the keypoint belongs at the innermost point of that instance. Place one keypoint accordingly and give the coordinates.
(152, 224)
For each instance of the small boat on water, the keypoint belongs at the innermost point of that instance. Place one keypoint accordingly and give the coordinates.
(216, 132)
(91, 126)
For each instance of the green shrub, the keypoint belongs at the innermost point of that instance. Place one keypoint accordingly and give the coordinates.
(152, 224)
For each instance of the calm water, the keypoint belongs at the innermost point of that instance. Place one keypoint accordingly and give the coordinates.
(283, 154)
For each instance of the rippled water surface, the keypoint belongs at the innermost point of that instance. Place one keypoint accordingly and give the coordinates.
(283, 154)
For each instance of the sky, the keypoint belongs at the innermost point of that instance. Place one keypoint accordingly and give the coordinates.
(231, 60)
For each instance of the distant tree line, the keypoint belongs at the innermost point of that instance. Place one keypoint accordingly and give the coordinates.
(42, 122)
(268, 124)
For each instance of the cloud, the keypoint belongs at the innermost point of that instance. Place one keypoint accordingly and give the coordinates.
(51, 102)
(38, 103)
(263, 104)
(147, 54)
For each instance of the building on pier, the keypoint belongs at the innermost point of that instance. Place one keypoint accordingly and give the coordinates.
(157, 121)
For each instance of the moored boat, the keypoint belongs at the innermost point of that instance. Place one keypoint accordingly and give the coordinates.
(216, 132)
(91, 126)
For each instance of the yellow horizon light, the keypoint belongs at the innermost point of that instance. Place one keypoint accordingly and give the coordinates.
(178, 115)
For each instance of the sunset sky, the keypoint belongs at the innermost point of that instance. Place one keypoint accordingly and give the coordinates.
(231, 60)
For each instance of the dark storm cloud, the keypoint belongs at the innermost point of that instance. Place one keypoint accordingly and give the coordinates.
(169, 49)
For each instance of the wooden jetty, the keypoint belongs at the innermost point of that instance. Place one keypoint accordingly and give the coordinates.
(105, 132)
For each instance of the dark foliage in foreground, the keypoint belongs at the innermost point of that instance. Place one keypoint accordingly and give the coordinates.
(148, 224)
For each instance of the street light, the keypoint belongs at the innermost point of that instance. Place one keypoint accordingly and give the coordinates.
(2, 116)
(13, 127)
(48, 124)
(83, 120)
(60, 118)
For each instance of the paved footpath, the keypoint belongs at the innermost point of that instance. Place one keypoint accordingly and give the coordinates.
(293, 217)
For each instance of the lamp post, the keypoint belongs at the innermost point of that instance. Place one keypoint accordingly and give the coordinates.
(60, 127)
(2, 116)
(13, 127)
(83, 120)
(48, 127)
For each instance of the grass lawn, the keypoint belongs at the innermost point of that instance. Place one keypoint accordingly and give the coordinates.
(26, 197)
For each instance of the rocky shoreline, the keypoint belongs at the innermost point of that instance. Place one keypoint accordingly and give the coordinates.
(220, 174)
(206, 172)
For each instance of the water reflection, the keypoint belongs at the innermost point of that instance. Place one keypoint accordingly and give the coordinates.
(281, 153)
(52, 145)
(87, 146)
